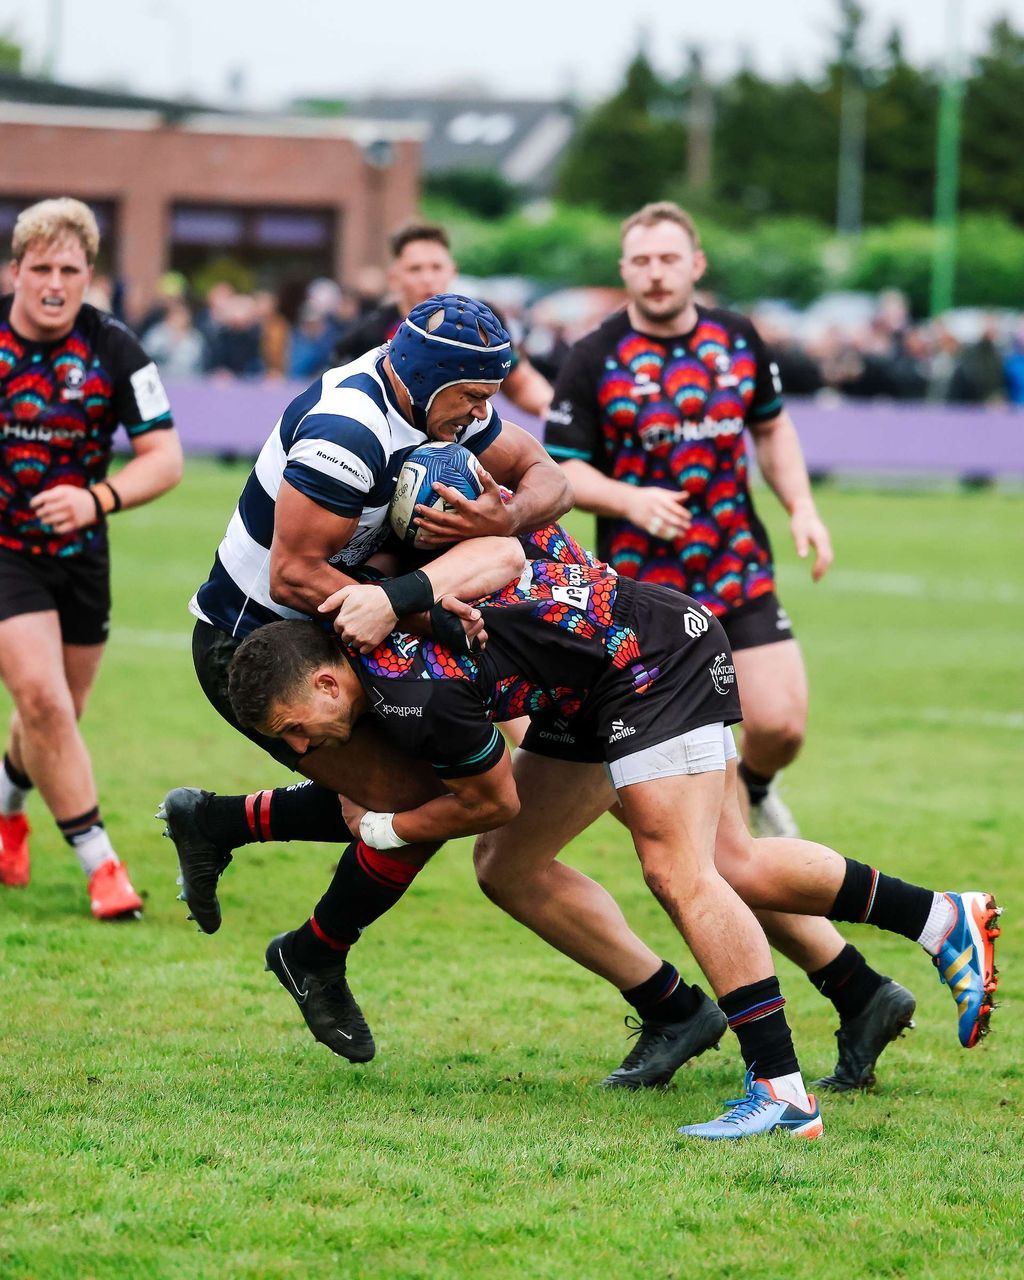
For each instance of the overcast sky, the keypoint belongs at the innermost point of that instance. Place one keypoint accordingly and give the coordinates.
(277, 49)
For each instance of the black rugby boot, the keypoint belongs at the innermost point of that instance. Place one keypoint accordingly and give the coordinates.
(200, 860)
(888, 1013)
(324, 1000)
(663, 1047)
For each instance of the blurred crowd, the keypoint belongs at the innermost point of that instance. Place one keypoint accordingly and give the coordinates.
(845, 346)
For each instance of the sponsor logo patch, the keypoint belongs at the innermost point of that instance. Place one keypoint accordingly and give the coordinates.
(620, 731)
(723, 673)
(694, 623)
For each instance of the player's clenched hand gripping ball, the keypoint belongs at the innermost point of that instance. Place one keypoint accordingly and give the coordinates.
(436, 462)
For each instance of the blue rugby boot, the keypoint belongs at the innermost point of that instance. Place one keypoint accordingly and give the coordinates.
(760, 1112)
(966, 961)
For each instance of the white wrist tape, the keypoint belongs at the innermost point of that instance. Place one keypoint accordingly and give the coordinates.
(378, 831)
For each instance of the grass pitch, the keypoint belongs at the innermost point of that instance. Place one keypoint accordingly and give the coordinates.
(166, 1114)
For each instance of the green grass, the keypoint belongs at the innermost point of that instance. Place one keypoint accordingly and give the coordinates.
(165, 1113)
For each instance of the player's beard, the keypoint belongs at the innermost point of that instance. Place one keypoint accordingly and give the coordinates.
(669, 312)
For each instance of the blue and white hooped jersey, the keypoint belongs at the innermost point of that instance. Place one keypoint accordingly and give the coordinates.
(342, 443)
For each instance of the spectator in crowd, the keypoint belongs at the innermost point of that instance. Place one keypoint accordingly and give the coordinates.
(175, 343)
(234, 344)
(978, 377)
(421, 266)
(1013, 368)
(173, 287)
(312, 343)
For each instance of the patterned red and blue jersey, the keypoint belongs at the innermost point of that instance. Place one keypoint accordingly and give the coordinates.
(671, 412)
(60, 405)
(550, 635)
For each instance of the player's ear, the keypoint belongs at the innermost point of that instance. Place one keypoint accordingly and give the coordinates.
(700, 264)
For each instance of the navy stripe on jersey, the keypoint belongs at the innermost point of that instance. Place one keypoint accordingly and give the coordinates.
(369, 387)
(296, 411)
(342, 499)
(348, 433)
(256, 507)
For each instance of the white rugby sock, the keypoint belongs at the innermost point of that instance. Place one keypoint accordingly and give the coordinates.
(791, 1089)
(93, 848)
(12, 797)
(938, 923)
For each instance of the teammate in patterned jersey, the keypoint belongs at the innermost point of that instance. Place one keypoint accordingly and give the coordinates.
(422, 265)
(69, 374)
(624, 681)
(648, 420)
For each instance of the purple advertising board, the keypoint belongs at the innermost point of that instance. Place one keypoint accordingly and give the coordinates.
(233, 419)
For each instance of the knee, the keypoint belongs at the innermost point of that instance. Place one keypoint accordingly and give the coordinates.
(495, 883)
(740, 867)
(42, 708)
(782, 734)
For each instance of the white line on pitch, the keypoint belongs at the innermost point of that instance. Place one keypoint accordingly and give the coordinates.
(903, 584)
(975, 719)
(151, 639)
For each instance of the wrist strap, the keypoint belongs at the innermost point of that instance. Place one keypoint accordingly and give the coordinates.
(115, 495)
(101, 515)
(378, 831)
(448, 630)
(410, 593)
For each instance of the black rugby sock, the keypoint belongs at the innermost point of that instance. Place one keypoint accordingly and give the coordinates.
(757, 1014)
(303, 811)
(757, 784)
(366, 885)
(18, 779)
(664, 997)
(848, 981)
(867, 896)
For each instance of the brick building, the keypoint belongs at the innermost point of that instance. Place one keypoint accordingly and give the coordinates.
(175, 186)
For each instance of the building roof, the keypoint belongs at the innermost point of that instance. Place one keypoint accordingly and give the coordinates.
(522, 139)
(42, 92)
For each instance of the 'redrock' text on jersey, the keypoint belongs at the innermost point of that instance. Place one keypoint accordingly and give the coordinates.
(60, 405)
(341, 443)
(671, 412)
(602, 666)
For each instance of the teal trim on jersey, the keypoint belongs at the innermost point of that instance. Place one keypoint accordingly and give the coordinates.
(765, 412)
(154, 424)
(474, 759)
(560, 451)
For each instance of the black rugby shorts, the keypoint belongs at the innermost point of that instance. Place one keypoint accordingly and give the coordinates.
(758, 622)
(212, 651)
(682, 679)
(77, 587)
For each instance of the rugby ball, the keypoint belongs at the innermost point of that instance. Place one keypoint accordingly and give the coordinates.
(435, 462)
